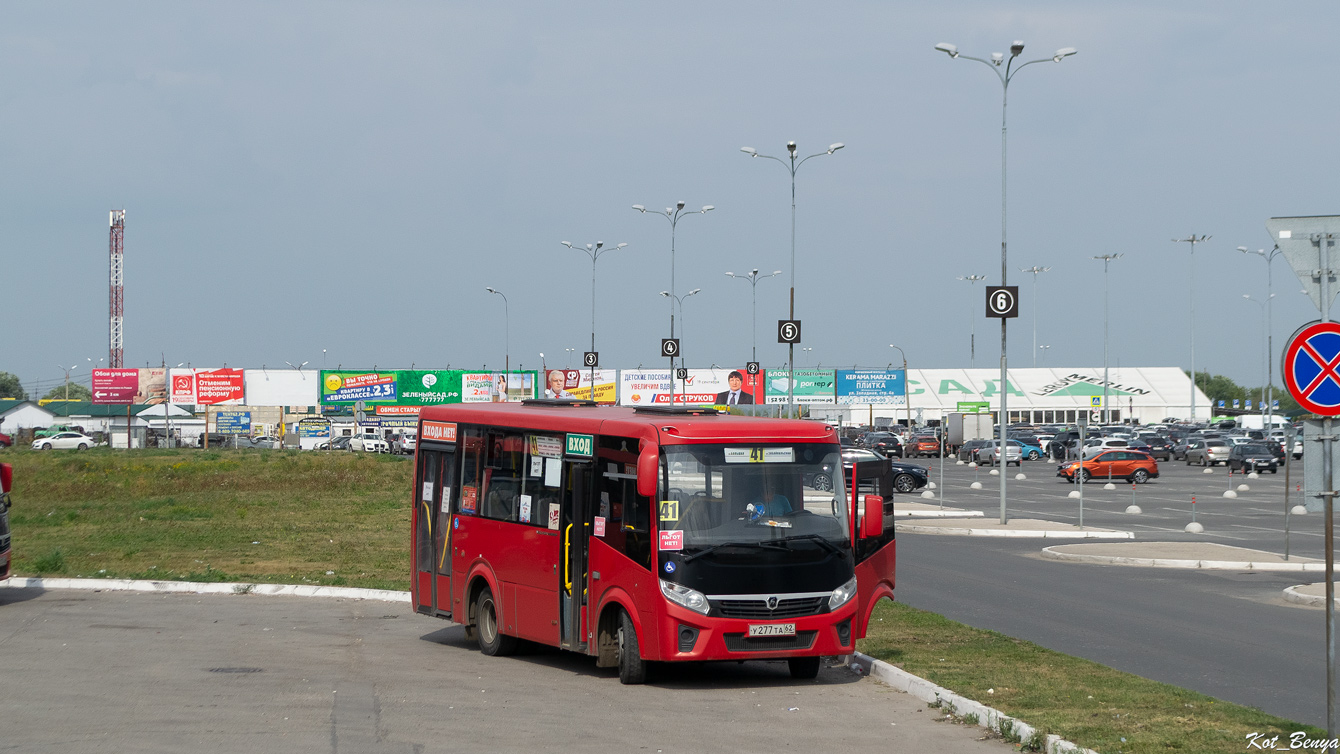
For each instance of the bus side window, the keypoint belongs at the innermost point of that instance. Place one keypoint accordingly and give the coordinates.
(502, 493)
(628, 516)
(472, 471)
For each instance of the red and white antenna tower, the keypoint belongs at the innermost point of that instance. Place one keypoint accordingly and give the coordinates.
(117, 310)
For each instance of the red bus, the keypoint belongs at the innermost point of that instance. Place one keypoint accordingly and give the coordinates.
(6, 480)
(641, 535)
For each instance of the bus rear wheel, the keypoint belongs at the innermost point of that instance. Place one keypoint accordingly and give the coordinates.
(492, 642)
(632, 668)
(804, 667)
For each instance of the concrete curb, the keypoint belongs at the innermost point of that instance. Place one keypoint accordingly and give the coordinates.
(1291, 594)
(987, 717)
(1224, 565)
(937, 514)
(195, 587)
(1025, 533)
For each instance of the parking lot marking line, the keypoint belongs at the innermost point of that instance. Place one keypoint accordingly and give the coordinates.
(1210, 533)
(1276, 531)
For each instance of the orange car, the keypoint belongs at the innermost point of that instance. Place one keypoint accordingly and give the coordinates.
(926, 445)
(1131, 465)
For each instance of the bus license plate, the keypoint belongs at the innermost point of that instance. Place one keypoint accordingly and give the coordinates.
(772, 629)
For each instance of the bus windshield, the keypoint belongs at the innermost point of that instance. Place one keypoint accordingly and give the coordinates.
(755, 495)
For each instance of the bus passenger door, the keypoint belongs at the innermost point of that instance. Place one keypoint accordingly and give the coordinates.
(432, 540)
(575, 533)
(875, 556)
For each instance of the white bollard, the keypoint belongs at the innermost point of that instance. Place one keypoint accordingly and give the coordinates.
(1021, 476)
(1208, 470)
(1194, 528)
(975, 486)
(930, 485)
(1244, 488)
(1230, 493)
(1109, 486)
(958, 463)
(1133, 509)
(928, 495)
(972, 464)
(1253, 475)
(1074, 495)
(1298, 510)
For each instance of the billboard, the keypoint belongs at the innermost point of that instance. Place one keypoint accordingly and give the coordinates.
(408, 389)
(812, 386)
(126, 386)
(233, 422)
(871, 386)
(208, 387)
(497, 387)
(702, 387)
(576, 383)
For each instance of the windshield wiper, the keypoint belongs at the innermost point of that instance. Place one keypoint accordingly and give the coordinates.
(822, 540)
(714, 548)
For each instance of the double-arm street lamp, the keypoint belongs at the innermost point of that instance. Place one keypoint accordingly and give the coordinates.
(1006, 74)
(1192, 239)
(678, 300)
(906, 402)
(674, 215)
(792, 165)
(972, 319)
(1106, 258)
(595, 251)
(507, 327)
(1265, 354)
(1269, 256)
(753, 277)
(1035, 270)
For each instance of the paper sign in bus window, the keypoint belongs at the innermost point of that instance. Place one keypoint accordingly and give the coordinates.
(672, 540)
(605, 504)
(553, 470)
(525, 509)
(600, 526)
(553, 516)
(469, 499)
(446, 499)
(669, 510)
(536, 466)
(428, 492)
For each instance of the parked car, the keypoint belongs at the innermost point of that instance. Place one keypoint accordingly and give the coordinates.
(1062, 444)
(1208, 452)
(1028, 450)
(887, 445)
(1252, 457)
(1131, 465)
(369, 443)
(56, 429)
(991, 454)
(339, 443)
(924, 445)
(967, 452)
(1160, 447)
(5, 440)
(404, 443)
(216, 440)
(64, 441)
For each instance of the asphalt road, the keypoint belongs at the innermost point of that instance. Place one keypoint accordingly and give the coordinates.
(121, 671)
(1225, 633)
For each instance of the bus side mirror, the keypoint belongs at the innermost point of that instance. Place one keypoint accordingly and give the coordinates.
(872, 522)
(6, 481)
(648, 465)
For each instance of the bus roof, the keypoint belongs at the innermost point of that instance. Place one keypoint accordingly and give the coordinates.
(664, 428)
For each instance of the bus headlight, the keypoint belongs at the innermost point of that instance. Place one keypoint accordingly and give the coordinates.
(690, 598)
(842, 595)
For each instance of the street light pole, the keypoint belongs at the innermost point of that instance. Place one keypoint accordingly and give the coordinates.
(674, 216)
(507, 327)
(1044, 349)
(972, 320)
(1265, 356)
(68, 369)
(792, 167)
(1107, 412)
(906, 403)
(1192, 239)
(1035, 270)
(678, 300)
(753, 277)
(1005, 75)
(1269, 256)
(595, 251)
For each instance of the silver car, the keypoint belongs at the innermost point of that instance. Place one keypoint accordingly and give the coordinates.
(1208, 452)
(991, 455)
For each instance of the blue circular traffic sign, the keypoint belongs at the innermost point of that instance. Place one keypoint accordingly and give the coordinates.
(1311, 367)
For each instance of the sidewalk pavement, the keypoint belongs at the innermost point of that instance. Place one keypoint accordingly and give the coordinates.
(1207, 555)
(931, 510)
(1313, 595)
(1030, 528)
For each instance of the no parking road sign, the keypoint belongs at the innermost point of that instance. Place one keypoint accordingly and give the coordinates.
(1310, 362)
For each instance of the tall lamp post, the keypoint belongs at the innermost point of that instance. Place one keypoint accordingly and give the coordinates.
(67, 370)
(753, 277)
(678, 300)
(595, 251)
(1192, 239)
(972, 319)
(674, 215)
(1035, 270)
(906, 403)
(507, 322)
(1006, 75)
(1044, 350)
(1106, 258)
(792, 165)
(1269, 256)
(1265, 353)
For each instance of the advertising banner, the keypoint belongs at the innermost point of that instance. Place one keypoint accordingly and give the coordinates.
(812, 386)
(351, 387)
(208, 387)
(497, 387)
(115, 386)
(871, 386)
(417, 387)
(233, 422)
(702, 387)
(576, 383)
(313, 427)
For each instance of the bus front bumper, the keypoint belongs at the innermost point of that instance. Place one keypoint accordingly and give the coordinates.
(688, 636)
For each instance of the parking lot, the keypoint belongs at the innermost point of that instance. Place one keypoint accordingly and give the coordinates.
(1255, 518)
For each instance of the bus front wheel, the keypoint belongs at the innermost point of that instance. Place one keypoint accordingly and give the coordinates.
(492, 642)
(804, 667)
(632, 668)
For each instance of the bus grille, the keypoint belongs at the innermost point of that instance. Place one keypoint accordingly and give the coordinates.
(742, 643)
(787, 608)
